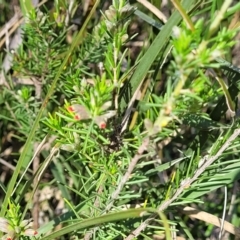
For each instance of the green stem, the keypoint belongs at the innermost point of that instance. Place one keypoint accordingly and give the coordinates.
(183, 13)
(217, 20)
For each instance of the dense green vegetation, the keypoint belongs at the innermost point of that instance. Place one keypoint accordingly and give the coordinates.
(120, 120)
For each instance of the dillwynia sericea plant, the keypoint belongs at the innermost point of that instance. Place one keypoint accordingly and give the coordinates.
(13, 227)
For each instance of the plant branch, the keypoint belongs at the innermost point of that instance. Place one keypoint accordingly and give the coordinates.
(125, 178)
(187, 182)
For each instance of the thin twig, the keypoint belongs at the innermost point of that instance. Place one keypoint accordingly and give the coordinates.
(207, 162)
(154, 10)
(210, 218)
(187, 182)
(12, 23)
(232, 207)
(7, 164)
(16, 41)
(224, 214)
(125, 178)
(69, 12)
(127, 175)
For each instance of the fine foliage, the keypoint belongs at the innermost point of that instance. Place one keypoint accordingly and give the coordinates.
(121, 141)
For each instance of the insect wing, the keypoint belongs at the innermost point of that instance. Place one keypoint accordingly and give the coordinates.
(101, 121)
(81, 113)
